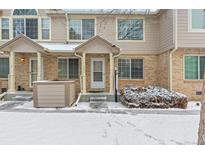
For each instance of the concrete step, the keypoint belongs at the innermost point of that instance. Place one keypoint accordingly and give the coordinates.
(98, 99)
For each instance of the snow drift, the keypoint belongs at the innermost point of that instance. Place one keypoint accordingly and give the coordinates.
(152, 97)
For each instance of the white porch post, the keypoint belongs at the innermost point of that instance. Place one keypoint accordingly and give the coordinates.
(39, 66)
(83, 69)
(111, 72)
(12, 72)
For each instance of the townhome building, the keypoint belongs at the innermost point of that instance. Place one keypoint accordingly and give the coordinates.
(163, 48)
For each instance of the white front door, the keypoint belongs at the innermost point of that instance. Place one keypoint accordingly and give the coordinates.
(32, 71)
(97, 73)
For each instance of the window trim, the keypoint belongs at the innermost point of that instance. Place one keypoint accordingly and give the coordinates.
(116, 29)
(67, 58)
(39, 27)
(190, 29)
(5, 56)
(130, 78)
(75, 18)
(198, 55)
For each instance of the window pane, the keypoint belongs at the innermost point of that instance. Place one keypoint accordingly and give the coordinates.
(5, 23)
(18, 27)
(62, 68)
(88, 28)
(73, 68)
(45, 34)
(191, 67)
(131, 29)
(124, 68)
(136, 69)
(198, 18)
(202, 66)
(45, 23)
(75, 29)
(4, 67)
(5, 33)
(32, 28)
(25, 12)
(97, 76)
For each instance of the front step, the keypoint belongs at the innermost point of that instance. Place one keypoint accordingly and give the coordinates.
(98, 99)
(98, 102)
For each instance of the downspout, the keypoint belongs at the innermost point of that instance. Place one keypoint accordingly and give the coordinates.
(175, 47)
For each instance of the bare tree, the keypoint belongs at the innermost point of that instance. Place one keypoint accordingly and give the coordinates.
(201, 131)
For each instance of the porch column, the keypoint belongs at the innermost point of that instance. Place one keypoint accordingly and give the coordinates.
(111, 72)
(39, 67)
(83, 68)
(12, 72)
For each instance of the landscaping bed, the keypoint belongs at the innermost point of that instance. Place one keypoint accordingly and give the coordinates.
(152, 97)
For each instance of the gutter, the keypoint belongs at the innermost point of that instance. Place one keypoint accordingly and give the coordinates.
(175, 48)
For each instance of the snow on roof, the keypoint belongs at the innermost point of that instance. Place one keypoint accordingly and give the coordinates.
(112, 11)
(60, 46)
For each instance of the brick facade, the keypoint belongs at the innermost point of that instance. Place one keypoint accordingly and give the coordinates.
(188, 87)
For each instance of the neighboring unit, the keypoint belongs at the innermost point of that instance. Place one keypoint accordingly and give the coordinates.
(148, 47)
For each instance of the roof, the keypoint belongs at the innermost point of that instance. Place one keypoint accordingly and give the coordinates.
(97, 37)
(53, 47)
(20, 37)
(112, 11)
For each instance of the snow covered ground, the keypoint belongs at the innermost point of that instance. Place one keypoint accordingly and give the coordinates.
(20, 123)
(97, 128)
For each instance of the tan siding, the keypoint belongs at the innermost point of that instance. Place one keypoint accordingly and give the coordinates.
(166, 30)
(58, 29)
(185, 38)
(106, 28)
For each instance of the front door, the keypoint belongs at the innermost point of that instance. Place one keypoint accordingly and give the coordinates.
(32, 71)
(97, 73)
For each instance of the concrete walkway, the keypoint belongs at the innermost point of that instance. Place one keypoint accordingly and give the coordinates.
(114, 108)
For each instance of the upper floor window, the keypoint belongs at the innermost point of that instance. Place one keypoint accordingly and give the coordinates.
(24, 12)
(198, 19)
(130, 29)
(82, 29)
(27, 26)
(4, 28)
(45, 28)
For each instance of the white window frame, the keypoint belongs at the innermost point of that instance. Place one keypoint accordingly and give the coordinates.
(202, 55)
(24, 17)
(68, 28)
(1, 29)
(129, 18)
(190, 29)
(67, 58)
(41, 28)
(130, 78)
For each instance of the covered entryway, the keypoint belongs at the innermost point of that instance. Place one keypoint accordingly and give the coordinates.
(98, 58)
(25, 62)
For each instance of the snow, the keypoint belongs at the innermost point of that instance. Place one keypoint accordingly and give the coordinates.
(97, 128)
(60, 46)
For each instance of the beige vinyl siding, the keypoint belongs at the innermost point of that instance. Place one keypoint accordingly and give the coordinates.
(106, 28)
(58, 29)
(166, 30)
(186, 38)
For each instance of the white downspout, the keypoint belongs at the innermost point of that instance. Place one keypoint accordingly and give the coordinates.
(175, 47)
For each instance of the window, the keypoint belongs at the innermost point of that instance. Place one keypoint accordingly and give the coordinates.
(4, 28)
(24, 12)
(27, 26)
(130, 68)
(130, 29)
(45, 28)
(194, 67)
(4, 67)
(68, 68)
(81, 29)
(198, 18)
